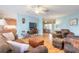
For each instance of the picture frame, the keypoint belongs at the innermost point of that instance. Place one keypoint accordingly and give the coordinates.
(23, 20)
(74, 21)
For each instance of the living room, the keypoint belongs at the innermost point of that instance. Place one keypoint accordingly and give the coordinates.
(39, 28)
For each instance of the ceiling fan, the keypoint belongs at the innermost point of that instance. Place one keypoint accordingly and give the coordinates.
(39, 9)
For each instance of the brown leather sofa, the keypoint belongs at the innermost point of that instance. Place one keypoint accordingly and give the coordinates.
(65, 32)
(58, 37)
(71, 44)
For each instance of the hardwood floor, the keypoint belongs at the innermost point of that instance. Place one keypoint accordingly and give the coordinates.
(51, 48)
(47, 43)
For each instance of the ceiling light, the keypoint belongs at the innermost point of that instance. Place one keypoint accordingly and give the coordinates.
(38, 9)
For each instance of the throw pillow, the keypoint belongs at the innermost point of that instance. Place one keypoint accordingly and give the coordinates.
(9, 36)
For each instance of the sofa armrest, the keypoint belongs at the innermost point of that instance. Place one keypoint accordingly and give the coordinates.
(66, 42)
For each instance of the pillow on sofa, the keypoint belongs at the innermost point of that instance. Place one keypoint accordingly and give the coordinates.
(18, 47)
(4, 46)
(9, 36)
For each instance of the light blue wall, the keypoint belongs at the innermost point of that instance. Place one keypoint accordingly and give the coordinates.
(65, 23)
(25, 27)
(40, 25)
(22, 27)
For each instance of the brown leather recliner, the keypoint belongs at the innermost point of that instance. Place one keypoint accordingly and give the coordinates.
(58, 40)
(71, 44)
(58, 37)
(65, 32)
(57, 34)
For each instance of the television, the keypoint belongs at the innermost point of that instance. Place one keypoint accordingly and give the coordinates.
(32, 25)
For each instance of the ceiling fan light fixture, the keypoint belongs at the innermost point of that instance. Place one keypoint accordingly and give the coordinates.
(40, 9)
(36, 11)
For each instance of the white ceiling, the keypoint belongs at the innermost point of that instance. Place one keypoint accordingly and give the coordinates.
(54, 11)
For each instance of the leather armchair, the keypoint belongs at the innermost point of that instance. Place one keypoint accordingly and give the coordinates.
(58, 40)
(58, 43)
(65, 32)
(57, 34)
(58, 37)
(71, 44)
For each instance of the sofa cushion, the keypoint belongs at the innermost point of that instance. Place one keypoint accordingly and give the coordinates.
(9, 36)
(18, 47)
(4, 46)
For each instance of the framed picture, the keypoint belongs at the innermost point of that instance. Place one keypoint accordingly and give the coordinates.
(23, 20)
(74, 21)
